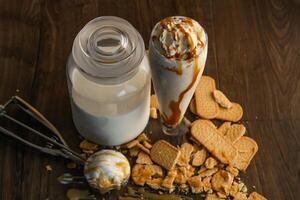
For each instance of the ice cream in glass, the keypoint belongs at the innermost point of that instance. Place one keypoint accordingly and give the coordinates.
(177, 54)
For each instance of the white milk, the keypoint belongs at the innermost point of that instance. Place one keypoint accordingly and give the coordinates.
(110, 115)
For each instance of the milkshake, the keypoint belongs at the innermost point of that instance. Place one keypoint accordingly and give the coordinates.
(109, 82)
(177, 53)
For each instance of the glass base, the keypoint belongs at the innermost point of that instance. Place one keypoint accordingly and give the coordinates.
(180, 129)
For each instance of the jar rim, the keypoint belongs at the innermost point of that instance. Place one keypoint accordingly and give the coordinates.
(108, 47)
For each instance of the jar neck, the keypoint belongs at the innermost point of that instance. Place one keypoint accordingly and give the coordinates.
(108, 49)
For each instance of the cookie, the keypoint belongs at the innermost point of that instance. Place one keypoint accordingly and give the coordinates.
(215, 143)
(246, 148)
(164, 154)
(186, 151)
(235, 132)
(156, 170)
(144, 149)
(206, 106)
(199, 157)
(206, 183)
(234, 171)
(232, 114)
(180, 178)
(184, 173)
(153, 113)
(205, 121)
(188, 170)
(133, 152)
(153, 101)
(234, 189)
(192, 106)
(169, 180)
(147, 144)
(256, 196)
(154, 183)
(222, 181)
(142, 137)
(221, 99)
(88, 146)
(140, 174)
(240, 196)
(224, 127)
(210, 163)
(195, 184)
(207, 172)
(143, 158)
(131, 144)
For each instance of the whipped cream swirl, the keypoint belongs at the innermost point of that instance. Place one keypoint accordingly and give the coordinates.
(179, 38)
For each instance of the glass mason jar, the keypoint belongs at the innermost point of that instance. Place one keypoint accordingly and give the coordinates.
(109, 81)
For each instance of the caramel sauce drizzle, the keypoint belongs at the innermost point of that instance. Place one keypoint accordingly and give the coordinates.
(177, 70)
(95, 169)
(192, 48)
(174, 105)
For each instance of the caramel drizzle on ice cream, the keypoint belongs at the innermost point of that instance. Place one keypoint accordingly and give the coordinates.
(174, 105)
(168, 24)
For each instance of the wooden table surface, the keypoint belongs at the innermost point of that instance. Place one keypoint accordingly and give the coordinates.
(254, 55)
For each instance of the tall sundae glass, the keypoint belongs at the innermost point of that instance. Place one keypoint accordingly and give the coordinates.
(177, 54)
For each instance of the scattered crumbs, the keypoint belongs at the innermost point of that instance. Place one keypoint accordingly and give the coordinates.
(253, 186)
(17, 90)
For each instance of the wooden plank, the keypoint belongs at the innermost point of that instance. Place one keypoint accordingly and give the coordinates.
(19, 46)
(248, 38)
(61, 22)
(274, 170)
(279, 27)
(257, 56)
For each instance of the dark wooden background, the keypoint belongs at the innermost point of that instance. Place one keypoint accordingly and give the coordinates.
(254, 55)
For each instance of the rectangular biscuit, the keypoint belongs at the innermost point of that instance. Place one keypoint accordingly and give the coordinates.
(164, 154)
(246, 148)
(215, 143)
